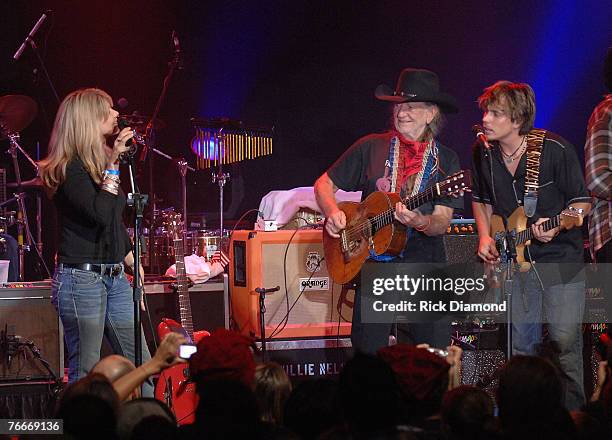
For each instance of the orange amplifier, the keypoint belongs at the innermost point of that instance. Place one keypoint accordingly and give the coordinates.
(258, 261)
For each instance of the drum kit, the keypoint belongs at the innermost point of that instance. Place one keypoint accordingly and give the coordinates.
(158, 240)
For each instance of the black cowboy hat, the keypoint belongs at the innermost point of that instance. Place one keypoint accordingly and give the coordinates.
(417, 85)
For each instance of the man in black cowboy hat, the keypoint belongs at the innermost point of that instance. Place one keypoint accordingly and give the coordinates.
(404, 160)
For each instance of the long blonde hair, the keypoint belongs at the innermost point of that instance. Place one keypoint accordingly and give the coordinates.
(76, 133)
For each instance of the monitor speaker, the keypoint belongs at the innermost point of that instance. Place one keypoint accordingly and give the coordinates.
(29, 322)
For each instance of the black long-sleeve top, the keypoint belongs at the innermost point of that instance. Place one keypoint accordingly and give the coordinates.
(92, 229)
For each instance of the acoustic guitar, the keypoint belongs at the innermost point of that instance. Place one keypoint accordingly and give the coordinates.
(371, 225)
(517, 230)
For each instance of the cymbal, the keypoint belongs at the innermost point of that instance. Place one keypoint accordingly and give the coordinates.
(34, 184)
(136, 119)
(16, 112)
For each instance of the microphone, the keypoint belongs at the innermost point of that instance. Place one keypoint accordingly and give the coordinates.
(177, 51)
(264, 290)
(38, 24)
(122, 123)
(479, 132)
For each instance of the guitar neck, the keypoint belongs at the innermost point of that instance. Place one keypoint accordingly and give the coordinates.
(387, 217)
(527, 234)
(182, 288)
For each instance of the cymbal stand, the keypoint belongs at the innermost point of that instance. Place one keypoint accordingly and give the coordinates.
(22, 215)
(39, 243)
(220, 178)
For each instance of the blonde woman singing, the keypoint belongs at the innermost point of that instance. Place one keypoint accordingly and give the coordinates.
(81, 174)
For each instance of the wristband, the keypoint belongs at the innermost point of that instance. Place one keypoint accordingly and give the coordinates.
(113, 172)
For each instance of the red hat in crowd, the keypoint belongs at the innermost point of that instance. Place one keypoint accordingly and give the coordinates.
(418, 371)
(223, 355)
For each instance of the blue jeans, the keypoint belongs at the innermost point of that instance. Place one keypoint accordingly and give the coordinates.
(562, 308)
(91, 306)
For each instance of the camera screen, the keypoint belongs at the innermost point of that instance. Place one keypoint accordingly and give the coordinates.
(186, 350)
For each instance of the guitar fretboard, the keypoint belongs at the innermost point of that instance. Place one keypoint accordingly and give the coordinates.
(387, 217)
(182, 288)
(527, 234)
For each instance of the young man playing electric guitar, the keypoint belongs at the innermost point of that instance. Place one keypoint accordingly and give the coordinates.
(538, 173)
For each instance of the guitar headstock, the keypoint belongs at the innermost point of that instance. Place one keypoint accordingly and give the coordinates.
(459, 182)
(571, 217)
(174, 225)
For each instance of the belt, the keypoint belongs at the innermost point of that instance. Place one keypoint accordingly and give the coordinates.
(102, 269)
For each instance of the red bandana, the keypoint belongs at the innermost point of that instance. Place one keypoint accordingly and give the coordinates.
(410, 159)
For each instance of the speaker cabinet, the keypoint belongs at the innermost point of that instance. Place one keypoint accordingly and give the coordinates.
(461, 246)
(27, 312)
(294, 261)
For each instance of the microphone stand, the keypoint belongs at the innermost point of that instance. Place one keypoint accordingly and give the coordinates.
(508, 282)
(173, 64)
(138, 201)
(261, 291)
(44, 69)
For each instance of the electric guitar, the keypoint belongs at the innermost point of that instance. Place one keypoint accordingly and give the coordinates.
(371, 225)
(517, 230)
(172, 386)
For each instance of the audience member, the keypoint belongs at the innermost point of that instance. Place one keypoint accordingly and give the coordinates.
(165, 356)
(272, 389)
(223, 355)
(115, 366)
(88, 408)
(369, 396)
(313, 408)
(530, 399)
(467, 414)
(137, 411)
(423, 378)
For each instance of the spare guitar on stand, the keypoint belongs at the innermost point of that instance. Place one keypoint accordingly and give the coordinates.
(173, 387)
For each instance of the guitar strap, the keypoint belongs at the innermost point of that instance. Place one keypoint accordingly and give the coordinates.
(535, 140)
(429, 165)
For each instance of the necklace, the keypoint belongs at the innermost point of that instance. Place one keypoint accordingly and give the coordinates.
(509, 158)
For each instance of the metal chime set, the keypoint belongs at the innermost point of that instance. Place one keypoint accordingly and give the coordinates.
(224, 141)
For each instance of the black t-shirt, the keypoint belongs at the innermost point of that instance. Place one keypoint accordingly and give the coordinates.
(561, 182)
(359, 169)
(92, 229)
